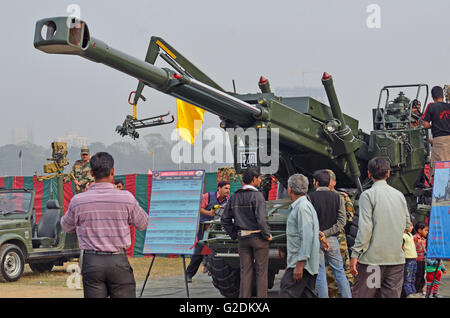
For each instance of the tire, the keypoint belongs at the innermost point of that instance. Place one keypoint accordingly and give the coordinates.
(225, 278)
(11, 263)
(41, 267)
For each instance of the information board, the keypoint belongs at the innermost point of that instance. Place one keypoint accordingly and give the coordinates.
(174, 212)
(438, 245)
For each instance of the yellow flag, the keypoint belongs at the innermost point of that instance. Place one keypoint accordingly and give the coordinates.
(189, 120)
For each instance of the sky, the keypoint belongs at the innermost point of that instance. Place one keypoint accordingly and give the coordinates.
(289, 42)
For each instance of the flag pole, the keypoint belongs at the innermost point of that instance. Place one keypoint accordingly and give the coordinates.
(20, 162)
(153, 159)
(179, 156)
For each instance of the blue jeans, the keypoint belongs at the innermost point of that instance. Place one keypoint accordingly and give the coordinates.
(410, 276)
(334, 258)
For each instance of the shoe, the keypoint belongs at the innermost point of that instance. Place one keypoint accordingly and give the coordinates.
(436, 296)
(205, 269)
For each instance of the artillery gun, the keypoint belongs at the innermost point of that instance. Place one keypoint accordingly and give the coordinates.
(301, 134)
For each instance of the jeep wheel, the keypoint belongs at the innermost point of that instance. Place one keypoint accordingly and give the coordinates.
(225, 278)
(41, 267)
(12, 263)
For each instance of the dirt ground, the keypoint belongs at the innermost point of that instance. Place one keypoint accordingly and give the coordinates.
(21, 291)
(54, 284)
(166, 280)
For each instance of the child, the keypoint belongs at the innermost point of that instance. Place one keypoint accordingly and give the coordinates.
(420, 239)
(409, 248)
(430, 268)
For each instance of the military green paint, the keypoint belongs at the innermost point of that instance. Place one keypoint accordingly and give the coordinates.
(305, 146)
(16, 229)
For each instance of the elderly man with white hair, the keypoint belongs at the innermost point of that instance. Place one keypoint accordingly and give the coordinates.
(303, 243)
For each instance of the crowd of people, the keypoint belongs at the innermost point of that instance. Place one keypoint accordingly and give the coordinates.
(317, 252)
(387, 260)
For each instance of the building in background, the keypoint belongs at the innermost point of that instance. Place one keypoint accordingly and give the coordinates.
(73, 140)
(21, 134)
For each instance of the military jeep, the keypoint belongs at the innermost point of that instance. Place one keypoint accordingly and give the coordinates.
(42, 245)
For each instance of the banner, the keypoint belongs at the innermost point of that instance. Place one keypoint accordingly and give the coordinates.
(439, 231)
(139, 185)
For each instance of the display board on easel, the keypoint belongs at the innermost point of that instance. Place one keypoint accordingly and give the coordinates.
(174, 215)
(438, 242)
(439, 232)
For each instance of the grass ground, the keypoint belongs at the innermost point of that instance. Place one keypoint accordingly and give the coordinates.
(54, 284)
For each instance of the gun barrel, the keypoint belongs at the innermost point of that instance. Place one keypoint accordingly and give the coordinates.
(255, 111)
(347, 138)
(327, 82)
(63, 35)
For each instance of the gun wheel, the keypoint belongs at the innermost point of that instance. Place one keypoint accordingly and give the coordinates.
(225, 278)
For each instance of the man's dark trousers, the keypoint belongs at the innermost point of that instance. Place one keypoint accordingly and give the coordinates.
(196, 259)
(107, 275)
(305, 288)
(385, 281)
(254, 256)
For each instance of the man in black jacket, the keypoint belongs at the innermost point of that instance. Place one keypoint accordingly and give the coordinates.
(245, 219)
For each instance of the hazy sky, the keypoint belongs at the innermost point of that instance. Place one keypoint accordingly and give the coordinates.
(286, 41)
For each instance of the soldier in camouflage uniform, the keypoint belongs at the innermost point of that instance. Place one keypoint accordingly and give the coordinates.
(81, 171)
(332, 285)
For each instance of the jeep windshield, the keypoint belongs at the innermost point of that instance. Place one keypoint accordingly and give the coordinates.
(14, 203)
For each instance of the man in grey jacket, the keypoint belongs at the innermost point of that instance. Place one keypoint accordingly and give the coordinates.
(377, 255)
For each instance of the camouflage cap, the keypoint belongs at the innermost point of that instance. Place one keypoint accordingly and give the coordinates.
(85, 150)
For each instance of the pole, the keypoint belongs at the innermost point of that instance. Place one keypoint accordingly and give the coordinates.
(179, 156)
(153, 157)
(20, 163)
(185, 276)
(60, 192)
(148, 274)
